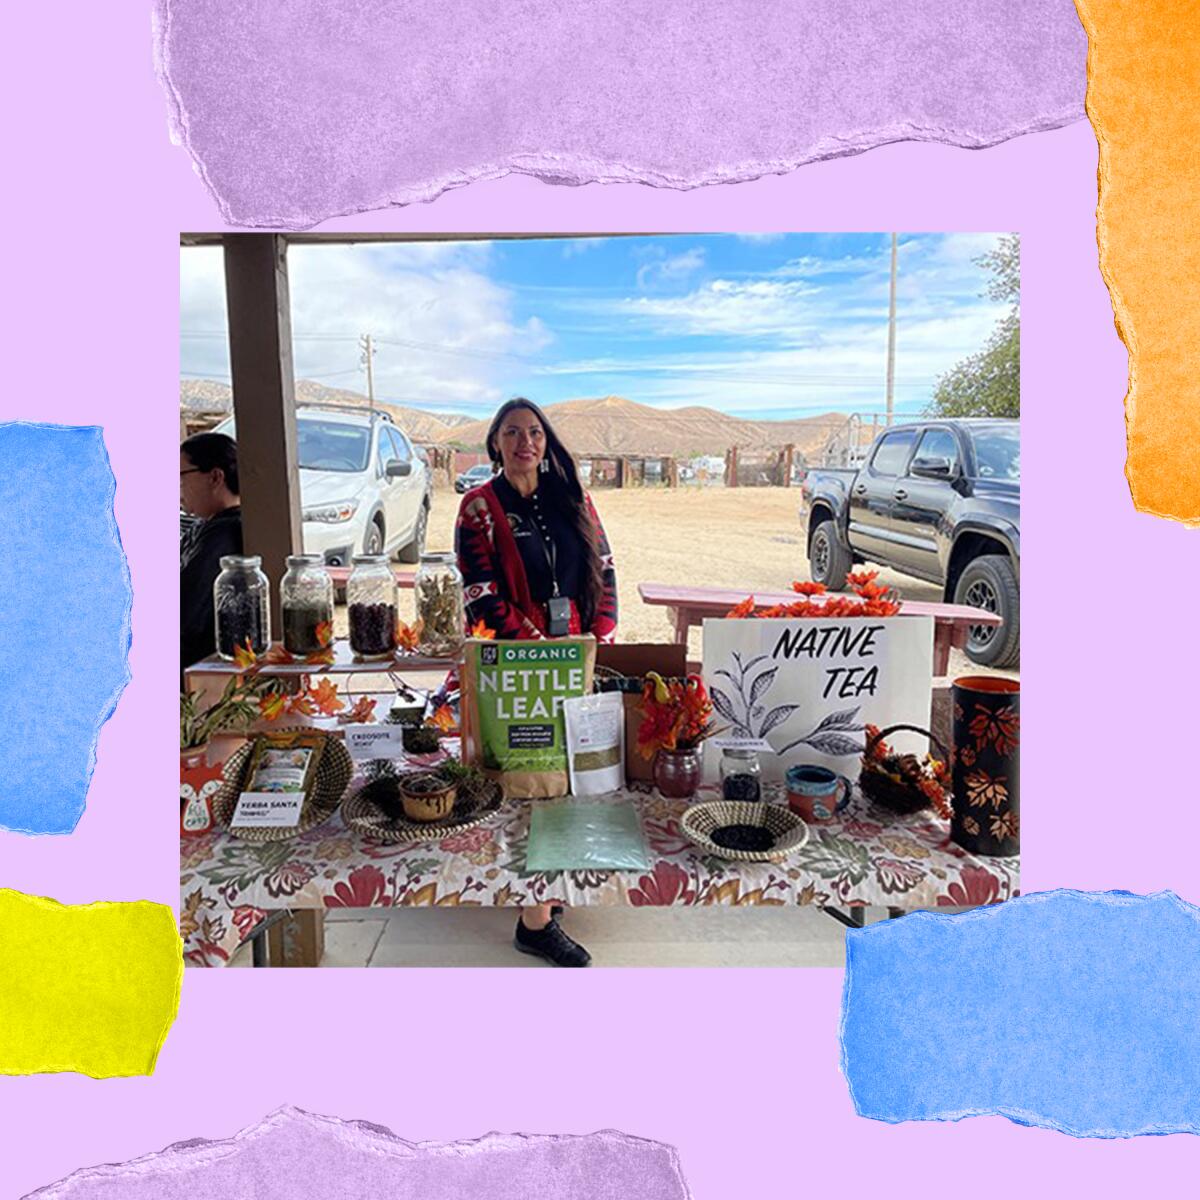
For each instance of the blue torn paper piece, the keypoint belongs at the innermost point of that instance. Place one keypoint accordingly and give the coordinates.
(1075, 1011)
(65, 601)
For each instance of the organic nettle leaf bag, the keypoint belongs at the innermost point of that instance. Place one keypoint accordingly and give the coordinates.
(512, 698)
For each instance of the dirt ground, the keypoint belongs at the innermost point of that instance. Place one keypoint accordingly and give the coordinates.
(741, 538)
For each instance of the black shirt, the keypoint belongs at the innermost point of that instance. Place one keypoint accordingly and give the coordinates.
(200, 555)
(535, 524)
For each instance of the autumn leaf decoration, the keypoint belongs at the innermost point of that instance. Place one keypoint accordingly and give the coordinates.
(871, 599)
(362, 712)
(481, 630)
(443, 720)
(325, 697)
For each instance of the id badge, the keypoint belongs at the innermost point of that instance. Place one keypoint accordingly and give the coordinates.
(558, 612)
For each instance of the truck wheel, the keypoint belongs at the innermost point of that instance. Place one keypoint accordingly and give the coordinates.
(373, 542)
(989, 582)
(829, 561)
(412, 552)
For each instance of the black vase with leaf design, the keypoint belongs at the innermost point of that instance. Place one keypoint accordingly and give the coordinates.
(986, 765)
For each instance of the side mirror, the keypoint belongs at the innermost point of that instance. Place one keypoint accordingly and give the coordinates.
(932, 468)
(397, 469)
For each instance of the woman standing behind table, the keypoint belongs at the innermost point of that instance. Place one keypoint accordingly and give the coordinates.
(208, 488)
(535, 563)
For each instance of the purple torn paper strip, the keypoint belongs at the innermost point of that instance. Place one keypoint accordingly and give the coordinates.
(297, 1155)
(295, 112)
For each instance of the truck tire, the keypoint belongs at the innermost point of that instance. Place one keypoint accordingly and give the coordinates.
(990, 582)
(829, 562)
(412, 552)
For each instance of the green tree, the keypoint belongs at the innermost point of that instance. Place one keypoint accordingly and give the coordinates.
(988, 384)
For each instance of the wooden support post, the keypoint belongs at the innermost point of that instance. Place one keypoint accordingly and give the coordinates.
(620, 472)
(264, 403)
(789, 452)
(672, 472)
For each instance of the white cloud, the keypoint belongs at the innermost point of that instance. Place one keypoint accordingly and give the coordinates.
(660, 272)
(444, 332)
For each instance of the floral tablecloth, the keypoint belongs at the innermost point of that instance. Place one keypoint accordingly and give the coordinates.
(869, 856)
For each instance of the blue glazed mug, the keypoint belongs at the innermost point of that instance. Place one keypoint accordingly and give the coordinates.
(813, 792)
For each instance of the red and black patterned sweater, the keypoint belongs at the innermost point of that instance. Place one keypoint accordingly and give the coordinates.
(495, 583)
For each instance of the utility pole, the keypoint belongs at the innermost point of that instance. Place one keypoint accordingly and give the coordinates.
(368, 354)
(891, 353)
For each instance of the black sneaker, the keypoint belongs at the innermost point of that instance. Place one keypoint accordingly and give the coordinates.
(556, 911)
(551, 944)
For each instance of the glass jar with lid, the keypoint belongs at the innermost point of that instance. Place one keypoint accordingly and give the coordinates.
(306, 597)
(440, 611)
(241, 605)
(371, 605)
(741, 774)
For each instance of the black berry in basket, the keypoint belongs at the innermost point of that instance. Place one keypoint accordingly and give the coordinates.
(743, 837)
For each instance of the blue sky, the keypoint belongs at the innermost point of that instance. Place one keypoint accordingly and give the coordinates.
(768, 326)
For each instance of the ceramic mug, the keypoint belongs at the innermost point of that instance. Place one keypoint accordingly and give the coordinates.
(813, 792)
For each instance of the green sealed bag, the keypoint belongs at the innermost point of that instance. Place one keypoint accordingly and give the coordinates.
(511, 709)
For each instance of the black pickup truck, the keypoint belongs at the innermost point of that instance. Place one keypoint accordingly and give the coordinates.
(940, 500)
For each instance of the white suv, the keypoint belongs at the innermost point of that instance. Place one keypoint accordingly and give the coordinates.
(363, 488)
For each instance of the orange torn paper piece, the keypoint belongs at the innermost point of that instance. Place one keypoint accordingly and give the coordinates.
(91, 988)
(1141, 97)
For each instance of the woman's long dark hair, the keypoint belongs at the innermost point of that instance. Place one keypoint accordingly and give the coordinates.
(561, 481)
(207, 451)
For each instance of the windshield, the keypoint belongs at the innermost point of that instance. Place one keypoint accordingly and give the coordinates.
(332, 445)
(998, 453)
(479, 472)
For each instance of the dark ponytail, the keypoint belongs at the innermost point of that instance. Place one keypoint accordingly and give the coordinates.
(561, 481)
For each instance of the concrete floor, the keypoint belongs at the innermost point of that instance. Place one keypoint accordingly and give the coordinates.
(624, 937)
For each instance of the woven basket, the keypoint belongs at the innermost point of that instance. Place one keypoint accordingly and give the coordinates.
(881, 789)
(471, 807)
(699, 821)
(334, 772)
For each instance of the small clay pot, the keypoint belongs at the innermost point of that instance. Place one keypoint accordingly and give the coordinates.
(427, 805)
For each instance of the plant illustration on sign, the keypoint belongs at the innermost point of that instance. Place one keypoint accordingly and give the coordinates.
(746, 710)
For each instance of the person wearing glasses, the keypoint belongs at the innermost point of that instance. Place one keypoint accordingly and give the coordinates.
(535, 563)
(208, 489)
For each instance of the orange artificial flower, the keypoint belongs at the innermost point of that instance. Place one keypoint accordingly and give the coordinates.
(809, 589)
(407, 636)
(271, 706)
(244, 656)
(481, 630)
(325, 697)
(743, 610)
(857, 579)
(324, 632)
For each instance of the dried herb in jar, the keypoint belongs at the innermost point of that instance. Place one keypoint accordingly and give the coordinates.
(302, 627)
(741, 787)
(240, 619)
(440, 614)
(373, 629)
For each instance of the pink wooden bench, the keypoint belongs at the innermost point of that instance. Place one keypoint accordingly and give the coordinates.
(688, 606)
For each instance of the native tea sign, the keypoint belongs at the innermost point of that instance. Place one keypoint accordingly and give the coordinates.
(809, 687)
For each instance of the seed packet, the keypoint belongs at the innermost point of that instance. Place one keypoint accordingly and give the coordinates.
(284, 762)
(595, 727)
(512, 700)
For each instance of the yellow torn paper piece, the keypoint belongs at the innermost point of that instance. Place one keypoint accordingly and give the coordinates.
(91, 988)
(1143, 65)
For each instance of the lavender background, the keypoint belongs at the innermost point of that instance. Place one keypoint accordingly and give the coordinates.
(91, 276)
